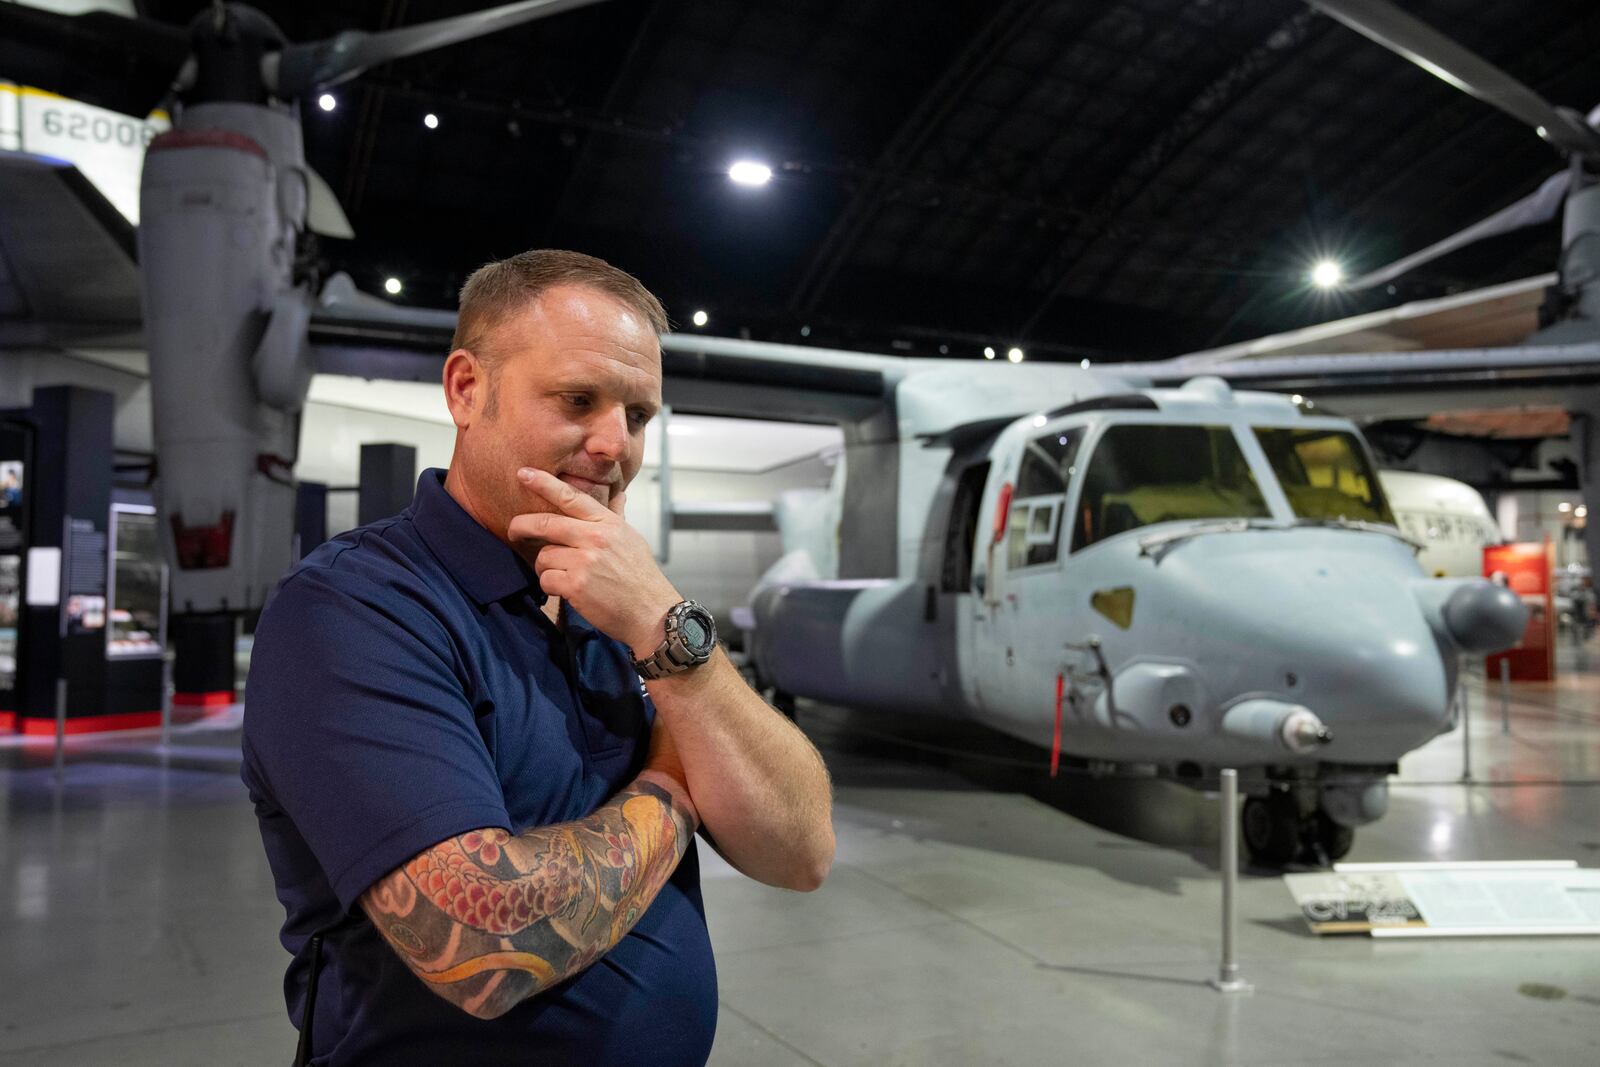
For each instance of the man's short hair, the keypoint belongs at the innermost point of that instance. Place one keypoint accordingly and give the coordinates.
(498, 290)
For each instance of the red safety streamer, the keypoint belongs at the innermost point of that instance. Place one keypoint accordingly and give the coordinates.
(1055, 745)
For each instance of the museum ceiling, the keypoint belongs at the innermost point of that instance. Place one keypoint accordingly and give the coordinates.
(1103, 179)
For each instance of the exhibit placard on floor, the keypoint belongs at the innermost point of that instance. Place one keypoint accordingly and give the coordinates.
(1547, 898)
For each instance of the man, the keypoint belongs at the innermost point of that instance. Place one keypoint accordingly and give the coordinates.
(479, 824)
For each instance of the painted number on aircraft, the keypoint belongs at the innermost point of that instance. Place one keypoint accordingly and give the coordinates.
(95, 129)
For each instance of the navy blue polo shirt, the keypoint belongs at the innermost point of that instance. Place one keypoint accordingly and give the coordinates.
(405, 687)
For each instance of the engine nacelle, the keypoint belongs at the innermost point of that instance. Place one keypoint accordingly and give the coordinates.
(863, 642)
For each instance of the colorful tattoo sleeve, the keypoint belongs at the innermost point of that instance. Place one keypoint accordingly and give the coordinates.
(488, 919)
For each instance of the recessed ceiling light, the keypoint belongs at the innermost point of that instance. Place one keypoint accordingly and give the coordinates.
(327, 102)
(1084, 364)
(1563, 507)
(749, 172)
(988, 351)
(431, 121)
(1327, 274)
(392, 286)
(1014, 355)
(700, 318)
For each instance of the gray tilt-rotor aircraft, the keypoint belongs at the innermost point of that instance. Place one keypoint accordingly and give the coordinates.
(1190, 577)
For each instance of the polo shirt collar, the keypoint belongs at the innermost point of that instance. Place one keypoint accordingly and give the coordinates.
(486, 567)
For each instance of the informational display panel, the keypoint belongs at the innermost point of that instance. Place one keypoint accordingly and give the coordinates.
(1526, 569)
(1450, 900)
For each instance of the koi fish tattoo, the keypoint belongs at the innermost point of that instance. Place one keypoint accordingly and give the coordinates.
(488, 918)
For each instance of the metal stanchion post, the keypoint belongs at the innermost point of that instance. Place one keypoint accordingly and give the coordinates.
(1466, 728)
(166, 698)
(1505, 695)
(61, 727)
(1228, 980)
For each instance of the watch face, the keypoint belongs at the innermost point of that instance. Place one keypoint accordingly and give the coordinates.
(695, 633)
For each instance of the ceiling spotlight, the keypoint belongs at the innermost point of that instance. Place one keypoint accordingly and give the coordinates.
(1297, 400)
(431, 121)
(392, 286)
(1039, 420)
(326, 102)
(1084, 364)
(1581, 511)
(944, 350)
(1327, 274)
(805, 331)
(700, 318)
(1014, 355)
(1563, 507)
(988, 351)
(1542, 132)
(749, 172)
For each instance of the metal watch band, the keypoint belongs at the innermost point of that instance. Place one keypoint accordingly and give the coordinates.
(671, 657)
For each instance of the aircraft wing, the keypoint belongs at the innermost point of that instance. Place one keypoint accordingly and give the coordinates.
(69, 270)
(357, 334)
(1425, 356)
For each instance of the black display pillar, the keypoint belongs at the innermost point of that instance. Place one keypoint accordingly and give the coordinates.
(310, 517)
(388, 480)
(69, 506)
(203, 671)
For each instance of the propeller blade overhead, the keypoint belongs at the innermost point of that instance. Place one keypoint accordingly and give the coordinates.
(1385, 24)
(304, 68)
(1538, 206)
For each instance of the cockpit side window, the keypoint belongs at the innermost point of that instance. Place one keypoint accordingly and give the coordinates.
(1033, 527)
(1325, 475)
(1144, 474)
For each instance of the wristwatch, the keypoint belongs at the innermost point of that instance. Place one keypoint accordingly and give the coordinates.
(691, 637)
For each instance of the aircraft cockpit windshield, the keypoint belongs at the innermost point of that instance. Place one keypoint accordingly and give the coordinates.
(1140, 474)
(1325, 474)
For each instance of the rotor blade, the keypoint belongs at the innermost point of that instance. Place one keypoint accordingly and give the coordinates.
(324, 214)
(303, 68)
(1387, 25)
(1538, 206)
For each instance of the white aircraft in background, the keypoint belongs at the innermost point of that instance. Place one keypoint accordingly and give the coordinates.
(1447, 518)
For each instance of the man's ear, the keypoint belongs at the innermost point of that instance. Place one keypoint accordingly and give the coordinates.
(465, 387)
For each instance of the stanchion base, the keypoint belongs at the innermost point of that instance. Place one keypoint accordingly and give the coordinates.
(1232, 985)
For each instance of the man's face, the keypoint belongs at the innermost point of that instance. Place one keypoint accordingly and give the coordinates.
(577, 375)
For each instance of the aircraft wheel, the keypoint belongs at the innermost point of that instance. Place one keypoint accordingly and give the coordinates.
(1335, 840)
(1271, 829)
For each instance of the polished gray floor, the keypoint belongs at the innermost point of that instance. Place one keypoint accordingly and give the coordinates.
(979, 913)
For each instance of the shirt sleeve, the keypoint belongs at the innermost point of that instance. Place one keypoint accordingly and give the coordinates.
(360, 724)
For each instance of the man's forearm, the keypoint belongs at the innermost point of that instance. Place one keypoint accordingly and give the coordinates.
(760, 787)
(488, 919)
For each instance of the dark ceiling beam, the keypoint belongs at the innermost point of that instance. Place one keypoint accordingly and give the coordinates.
(893, 163)
(1206, 108)
(365, 141)
(620, 82)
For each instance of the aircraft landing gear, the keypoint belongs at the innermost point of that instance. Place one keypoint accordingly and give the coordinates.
(1278, 832)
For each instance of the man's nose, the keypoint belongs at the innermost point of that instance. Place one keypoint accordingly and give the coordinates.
(608, 434)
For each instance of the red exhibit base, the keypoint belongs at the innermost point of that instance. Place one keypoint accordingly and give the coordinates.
(214, 699)
(31, 726)
(34, 726)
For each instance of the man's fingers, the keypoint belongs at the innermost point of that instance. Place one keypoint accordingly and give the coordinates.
(569, 500)
(549, 527)
(556, 558)
(617, 502)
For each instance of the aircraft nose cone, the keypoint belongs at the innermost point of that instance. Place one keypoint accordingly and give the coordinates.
(1325, 620)
(1484, 617)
